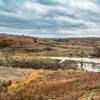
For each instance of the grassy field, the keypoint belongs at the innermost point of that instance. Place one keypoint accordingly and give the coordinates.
(60, 82)
(19, 57)
(55, 82)
(48, 85)
(74, 47)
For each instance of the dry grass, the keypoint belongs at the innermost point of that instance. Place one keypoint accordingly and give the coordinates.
(47, 47)
(91, 95)
(54, 85)
(36, 62)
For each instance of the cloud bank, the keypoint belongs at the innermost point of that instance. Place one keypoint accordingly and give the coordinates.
(50, 18)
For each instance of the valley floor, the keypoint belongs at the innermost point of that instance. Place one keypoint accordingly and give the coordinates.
(57, 84)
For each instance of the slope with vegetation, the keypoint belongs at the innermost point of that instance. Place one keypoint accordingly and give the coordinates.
(49, 46)
(19, 58)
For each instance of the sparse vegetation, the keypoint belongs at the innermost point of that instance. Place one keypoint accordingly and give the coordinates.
(19, 58)
(97, 53)
(34, 40)
(4, 44)
(48, 47)
(37, 63)
(59, 85)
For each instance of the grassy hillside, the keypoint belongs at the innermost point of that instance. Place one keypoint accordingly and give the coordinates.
(19, 57)
(47, 46)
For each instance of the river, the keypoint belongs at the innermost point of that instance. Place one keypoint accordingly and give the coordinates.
(89, 64)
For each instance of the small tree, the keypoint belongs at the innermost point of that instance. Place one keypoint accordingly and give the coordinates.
(4, 44)
(34, 40)
(97, 51)
(21, 44)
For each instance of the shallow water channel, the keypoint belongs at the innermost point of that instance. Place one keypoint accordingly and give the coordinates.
(88, 64)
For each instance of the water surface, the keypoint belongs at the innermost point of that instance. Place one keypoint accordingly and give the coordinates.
(93, 66)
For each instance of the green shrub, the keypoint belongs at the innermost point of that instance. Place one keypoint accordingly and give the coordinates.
(4, 44)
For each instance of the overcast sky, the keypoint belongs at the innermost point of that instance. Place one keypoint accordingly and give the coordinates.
(50, 18)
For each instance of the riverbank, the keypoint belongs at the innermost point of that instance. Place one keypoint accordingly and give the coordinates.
(53, 63)
(48, 84)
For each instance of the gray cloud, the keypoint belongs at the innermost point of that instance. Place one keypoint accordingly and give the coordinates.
(50, 18)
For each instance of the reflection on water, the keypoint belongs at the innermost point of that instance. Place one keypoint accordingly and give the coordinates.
(89, 67)
(76, 59)
(84, 66)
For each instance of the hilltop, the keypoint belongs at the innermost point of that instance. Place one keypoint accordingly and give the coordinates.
(48, 46)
